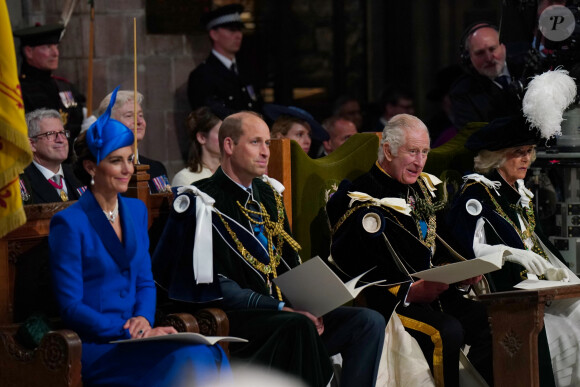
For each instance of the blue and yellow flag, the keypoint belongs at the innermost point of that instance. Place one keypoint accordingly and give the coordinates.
(15, 152)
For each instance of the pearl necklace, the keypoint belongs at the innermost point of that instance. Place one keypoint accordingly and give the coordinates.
(112, 215)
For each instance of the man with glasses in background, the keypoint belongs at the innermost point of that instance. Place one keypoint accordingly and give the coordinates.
(46, 179)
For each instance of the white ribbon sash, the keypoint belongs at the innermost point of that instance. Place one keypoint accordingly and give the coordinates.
(203, 242)
(525, 194)
(397, 204)
(430, 181)
(482, 179)
(274, 183)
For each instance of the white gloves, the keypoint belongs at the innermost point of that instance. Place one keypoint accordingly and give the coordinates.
(536, 264)
(531, 261)
(555, 274)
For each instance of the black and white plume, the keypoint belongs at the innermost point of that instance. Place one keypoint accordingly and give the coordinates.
(546, 98)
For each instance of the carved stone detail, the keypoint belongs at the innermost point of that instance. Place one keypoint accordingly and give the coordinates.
(53, 350)
(511, 343)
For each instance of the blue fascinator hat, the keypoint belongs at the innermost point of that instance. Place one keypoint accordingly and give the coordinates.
(106, 134)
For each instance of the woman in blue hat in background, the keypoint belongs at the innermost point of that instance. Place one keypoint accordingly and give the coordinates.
(101, 271)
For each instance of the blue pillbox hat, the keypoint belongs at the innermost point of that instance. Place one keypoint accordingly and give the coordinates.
(106, 134)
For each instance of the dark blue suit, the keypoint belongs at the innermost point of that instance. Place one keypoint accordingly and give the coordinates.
(101, 282)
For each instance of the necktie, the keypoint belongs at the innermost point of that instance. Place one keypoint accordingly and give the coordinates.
(234, 68)
(254, 213)
(58, 184)
(504, 81)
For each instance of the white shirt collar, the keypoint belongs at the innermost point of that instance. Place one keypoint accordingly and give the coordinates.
(226, 61)
(47, 173)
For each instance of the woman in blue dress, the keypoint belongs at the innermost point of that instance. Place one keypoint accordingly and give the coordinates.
(102, 277)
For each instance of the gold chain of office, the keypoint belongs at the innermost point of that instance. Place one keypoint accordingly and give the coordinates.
(271, 229)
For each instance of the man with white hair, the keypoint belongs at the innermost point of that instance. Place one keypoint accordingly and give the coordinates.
(487, 91)
(385, 221)
(47, 179)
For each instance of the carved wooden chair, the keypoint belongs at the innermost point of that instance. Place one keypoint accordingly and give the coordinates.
(57, 359)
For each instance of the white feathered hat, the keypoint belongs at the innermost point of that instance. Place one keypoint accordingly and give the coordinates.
(546, 98)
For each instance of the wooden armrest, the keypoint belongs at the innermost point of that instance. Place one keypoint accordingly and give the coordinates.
(213, 322)
(182, 322)
(56, 362)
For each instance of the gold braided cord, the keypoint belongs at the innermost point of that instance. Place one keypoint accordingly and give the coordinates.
(417, 213)
(271, 229)
(528, 233)
(256, 264)
(348, 213)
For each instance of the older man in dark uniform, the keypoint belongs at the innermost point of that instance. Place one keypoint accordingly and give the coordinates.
(386, 220)
(42, 89)
(220, 81)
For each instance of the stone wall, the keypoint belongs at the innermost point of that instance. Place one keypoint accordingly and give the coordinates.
(164, 63)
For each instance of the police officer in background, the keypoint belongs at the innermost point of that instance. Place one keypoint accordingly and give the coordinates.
(42, 89)
(220, 81)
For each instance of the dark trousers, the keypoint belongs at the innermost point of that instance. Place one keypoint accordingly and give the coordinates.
(358, 334)
(290, 343)
(443, 327)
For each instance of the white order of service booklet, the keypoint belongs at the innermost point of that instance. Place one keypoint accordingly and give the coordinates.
(315, 288)
(185, 337)
(459, 271)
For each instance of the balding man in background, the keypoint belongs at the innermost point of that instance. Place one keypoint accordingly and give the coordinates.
(339, 130)
(487, 90)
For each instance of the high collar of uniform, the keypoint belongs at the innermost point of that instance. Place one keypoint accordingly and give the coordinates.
(238, 192)
(28, 71)
(387, 181)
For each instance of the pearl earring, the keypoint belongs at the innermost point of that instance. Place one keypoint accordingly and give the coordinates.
(92, 180)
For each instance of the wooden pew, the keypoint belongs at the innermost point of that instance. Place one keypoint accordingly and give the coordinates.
(57, 360)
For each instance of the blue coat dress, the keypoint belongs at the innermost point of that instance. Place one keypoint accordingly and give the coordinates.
(101, 282)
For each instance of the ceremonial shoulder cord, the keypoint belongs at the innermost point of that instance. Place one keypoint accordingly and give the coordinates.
(271, 229)
(528, 233)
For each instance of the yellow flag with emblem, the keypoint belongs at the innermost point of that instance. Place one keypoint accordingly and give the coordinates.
(15, 153)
